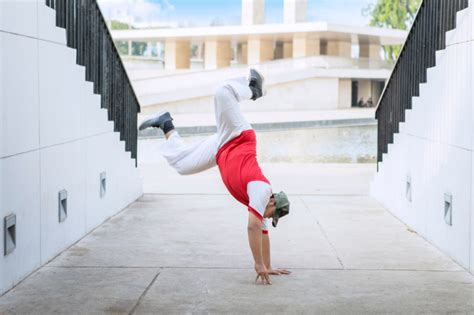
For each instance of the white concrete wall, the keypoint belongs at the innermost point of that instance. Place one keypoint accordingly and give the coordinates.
(435, 148)
(53, 136)
(189, 88)
(305, 94)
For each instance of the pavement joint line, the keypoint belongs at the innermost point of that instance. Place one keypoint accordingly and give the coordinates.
(324, 233)
(32, 37)
(102, 267)
(409, 228)
(250, 269)
(55, 145)
(68, 248)
(134, 309)
(226, 194)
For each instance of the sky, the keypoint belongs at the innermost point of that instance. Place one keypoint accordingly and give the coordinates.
(205, 12)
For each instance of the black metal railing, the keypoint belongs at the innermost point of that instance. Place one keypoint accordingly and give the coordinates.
(427, 35)
(87, 32)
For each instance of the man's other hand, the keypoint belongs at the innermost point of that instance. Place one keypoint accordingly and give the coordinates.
(262, 274)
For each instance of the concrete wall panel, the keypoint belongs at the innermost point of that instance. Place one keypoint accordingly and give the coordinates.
(95, 118)
(398, 180)
(11, 10)
(104, 153)
(60, 102)
(20, 190)
(99, 208)
(463, 31)
(128, 179)
(62, 167)
(472, 218)
(47, 29)
(451, 171)
(19, 122)
(419, 172)
(448, 118)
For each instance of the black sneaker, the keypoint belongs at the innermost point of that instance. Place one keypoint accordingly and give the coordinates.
(156, 121)
(256, 81)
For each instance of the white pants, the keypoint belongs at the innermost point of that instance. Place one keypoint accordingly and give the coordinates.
(201, 156)
(198, 157)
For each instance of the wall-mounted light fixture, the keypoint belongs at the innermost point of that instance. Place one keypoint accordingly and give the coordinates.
(9, 234)
(448, 209)
(103, 184)
(408, 189)
(62, 205)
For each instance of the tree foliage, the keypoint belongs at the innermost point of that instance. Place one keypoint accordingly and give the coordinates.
(117, 25)
(138, 48)
(395, 14)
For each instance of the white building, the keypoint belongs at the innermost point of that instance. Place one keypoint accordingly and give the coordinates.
(345, 60)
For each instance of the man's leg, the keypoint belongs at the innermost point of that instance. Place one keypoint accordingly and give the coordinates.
(229, 119)
(186, 159)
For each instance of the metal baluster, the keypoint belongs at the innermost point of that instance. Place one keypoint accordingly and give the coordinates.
(87, 32)
(427, 35)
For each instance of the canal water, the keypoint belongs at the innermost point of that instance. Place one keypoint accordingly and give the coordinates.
(346, 144)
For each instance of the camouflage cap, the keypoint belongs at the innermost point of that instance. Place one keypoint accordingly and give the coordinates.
(282, 207)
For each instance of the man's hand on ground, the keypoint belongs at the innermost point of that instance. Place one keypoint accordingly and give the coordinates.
(278, 272)
(262, 273)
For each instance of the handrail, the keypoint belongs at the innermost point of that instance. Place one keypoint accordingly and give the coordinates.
(87, 32)
(427, 35)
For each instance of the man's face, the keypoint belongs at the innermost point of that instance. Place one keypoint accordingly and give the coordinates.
(270, 209)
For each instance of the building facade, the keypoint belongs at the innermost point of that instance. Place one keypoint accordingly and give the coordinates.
(351, 55)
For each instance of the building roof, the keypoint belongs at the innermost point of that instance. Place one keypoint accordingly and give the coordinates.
(322, 30)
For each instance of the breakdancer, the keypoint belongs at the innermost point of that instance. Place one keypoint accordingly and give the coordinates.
(233, 150)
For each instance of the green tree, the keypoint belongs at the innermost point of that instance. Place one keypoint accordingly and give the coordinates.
(122, 46)
(395, 14)
(117, 25)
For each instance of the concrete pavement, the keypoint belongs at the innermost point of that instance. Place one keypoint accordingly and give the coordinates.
(182, 248)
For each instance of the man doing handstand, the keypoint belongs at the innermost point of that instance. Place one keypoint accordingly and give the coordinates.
(233, 149)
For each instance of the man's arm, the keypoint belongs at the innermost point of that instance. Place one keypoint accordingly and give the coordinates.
(266, 251)
(267, 258)
(254, 230)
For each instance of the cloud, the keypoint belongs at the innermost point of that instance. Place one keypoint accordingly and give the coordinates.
(137, 11)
